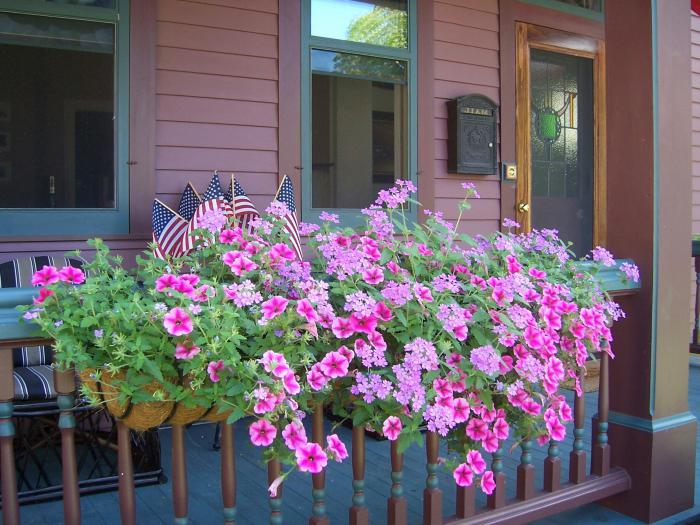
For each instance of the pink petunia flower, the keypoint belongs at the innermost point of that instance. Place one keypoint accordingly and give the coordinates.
(382, 311)
(460, 410)
(423, 293)
(537, 274)
(185, 351)
(477, 429)
(346, 352)
(230, 236)
(488, 484)
(311, 458)
(377, 341)
(490, 442)
(47, 275)
(294, 435)
(177, 322)
(44, 293)
(337, 448)
(316, 378)
(281, 251)
(341, 328)
(273, 307)
(262, 433)
(334, 364)
(392, 428)
(213, 369)
(291, 385)
(464, 476)
(275, 363)
(165, 281)
(71, 275)
(363, 323)
(306, 310)
(476, 461)
(373, 275)
(501, 429)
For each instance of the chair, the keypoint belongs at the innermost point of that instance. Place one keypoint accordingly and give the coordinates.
(38, 438)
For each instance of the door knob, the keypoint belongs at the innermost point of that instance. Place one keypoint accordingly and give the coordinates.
(523, 207)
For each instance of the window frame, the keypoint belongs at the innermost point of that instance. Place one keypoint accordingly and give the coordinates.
(40, 222)
(352, 216)
(598, 16)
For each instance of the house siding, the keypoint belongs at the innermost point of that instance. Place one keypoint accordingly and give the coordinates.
(466, 61)
(217, 95)
(695, 103)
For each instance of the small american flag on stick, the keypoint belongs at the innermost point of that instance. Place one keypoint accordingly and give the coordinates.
(189, 200)
(244, 210)
(214, 202)
(168, 230)
(285, 194)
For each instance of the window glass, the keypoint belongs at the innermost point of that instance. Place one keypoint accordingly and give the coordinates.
(382, 22)
(359, 129)
(593, 5)
(562, 145)
(57, 125)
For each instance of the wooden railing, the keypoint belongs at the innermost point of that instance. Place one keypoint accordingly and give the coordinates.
(531, 502)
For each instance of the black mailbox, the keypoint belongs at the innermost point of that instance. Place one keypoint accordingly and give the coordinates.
(471, 142)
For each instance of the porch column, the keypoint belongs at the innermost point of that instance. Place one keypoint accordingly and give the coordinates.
(652, 433)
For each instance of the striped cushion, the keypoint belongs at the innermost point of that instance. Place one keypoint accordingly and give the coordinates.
(33, 383)
(18, 273)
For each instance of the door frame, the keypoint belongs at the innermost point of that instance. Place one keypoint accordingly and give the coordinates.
(530, 36)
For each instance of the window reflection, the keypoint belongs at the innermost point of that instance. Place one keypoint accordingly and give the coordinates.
(380, 22)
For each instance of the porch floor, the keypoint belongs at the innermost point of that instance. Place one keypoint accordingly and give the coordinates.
(154, 502)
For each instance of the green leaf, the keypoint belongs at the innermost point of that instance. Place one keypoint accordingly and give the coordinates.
(153, 369)
(235, 416)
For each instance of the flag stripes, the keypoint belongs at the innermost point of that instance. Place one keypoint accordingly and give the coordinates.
(168, 230)
(285, 194)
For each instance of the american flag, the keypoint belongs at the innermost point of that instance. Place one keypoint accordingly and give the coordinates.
(244, 210)
(285, 194)
(188, 202)
(214, 189)
(213, 200)
(168, 230)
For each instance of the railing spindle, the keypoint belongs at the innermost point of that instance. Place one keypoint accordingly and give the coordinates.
(397, 510)
(432, 495)
(359, 513)
(179, 475)
(552, 468)
(228, 473)
(318, 480)
(577, 457)
(466, 501)
(274, 470)
(10, 505)
(498, 498)
(127, 497)
(526, 472)
(64, 382)
(600, 464)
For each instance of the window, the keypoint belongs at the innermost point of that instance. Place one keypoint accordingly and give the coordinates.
(358, 102)
(63, 117)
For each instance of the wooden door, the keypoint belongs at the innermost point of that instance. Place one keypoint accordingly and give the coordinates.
(560, 134)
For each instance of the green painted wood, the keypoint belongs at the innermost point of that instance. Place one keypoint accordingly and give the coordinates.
(11, 325)
(352, 217)
(89, 222)
(570, 9)
(613, 280)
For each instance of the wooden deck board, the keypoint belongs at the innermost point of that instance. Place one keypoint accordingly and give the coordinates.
(154, 507)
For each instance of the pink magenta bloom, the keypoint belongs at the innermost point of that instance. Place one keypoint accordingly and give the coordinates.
(229, 236)
(490, 442)
(460, 409)
(533, 337)
(337, 448)
(306, 310)
(476, 461)
(47, 275)
(311, 458)
(165, 281)
(44, 293)
(382, 311)
(291, 385)
(501, 429)
(423, 293)
(71, 275)
(186, 352)
(488, 485)
(537, 274)
(477, 429)
(294, 435)
(275, 363)
(262, 433)
(373, 275)
(346, 352)
(341, 328)
(424, 250)
(463, 475)
(177, 322)
(513, 265)
(316, 379)
(273, 307)
(334, 364)
(392, 428)
(363, 323)
(377, 341)
(213, 369)
(556, 430)
(282, 251)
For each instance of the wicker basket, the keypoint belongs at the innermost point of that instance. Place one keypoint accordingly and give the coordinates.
(591, 380)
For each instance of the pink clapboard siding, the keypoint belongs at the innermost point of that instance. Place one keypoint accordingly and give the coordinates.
(466, 62)
(216, 95)
(695, 93)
